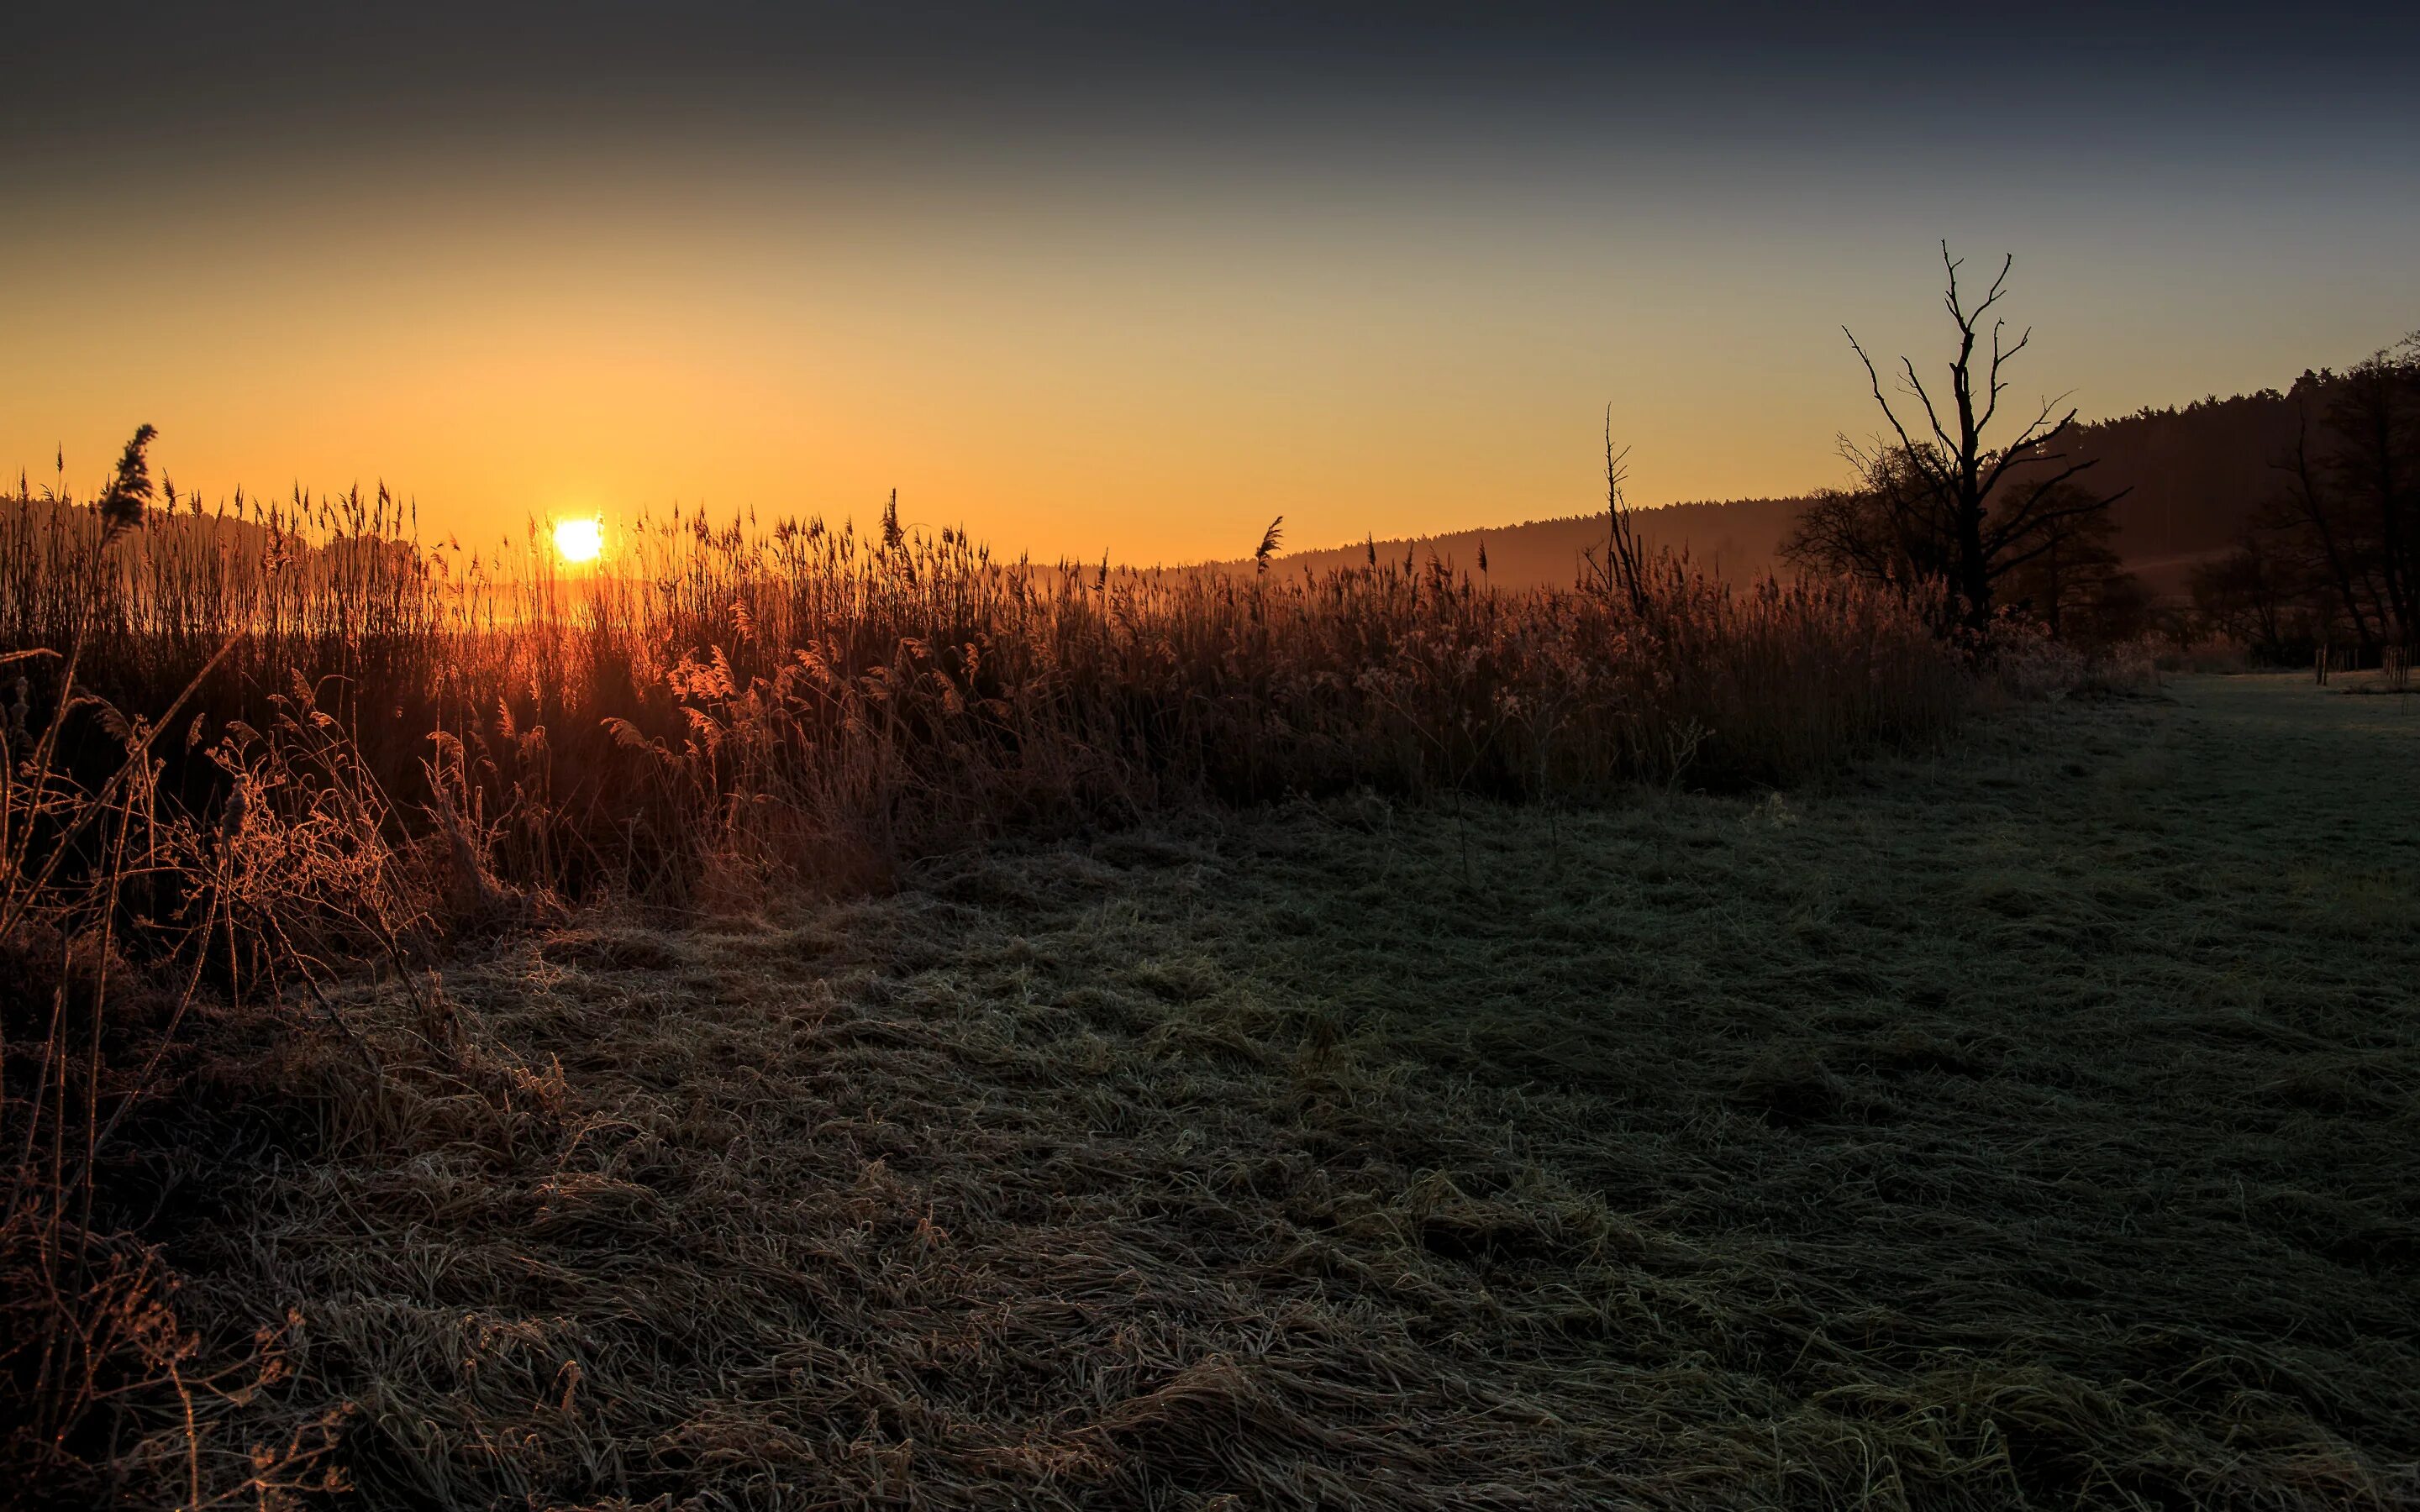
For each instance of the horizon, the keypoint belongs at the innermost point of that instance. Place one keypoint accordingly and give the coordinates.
(1079, 281)
(610, 523)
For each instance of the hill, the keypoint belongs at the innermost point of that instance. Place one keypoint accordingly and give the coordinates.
(1741, 538)
(2193, 476)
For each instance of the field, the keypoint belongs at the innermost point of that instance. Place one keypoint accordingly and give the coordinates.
(2028, 1124)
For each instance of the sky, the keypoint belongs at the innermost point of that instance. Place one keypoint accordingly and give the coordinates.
(1135, 280)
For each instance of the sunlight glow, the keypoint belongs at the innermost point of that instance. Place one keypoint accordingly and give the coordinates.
(579, 540)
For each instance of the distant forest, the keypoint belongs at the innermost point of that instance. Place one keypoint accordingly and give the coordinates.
(2195, 475)
(2277, 518)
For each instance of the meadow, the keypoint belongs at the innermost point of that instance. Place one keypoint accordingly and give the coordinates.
(798, 1019)
(2018, 1126)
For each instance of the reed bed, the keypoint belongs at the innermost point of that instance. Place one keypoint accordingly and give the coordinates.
(800, 703)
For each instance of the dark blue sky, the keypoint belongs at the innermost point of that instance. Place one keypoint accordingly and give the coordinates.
(183, 79)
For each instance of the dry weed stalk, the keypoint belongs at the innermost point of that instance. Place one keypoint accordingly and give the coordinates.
(115, 905)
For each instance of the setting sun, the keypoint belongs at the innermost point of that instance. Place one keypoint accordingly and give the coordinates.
(579, 540)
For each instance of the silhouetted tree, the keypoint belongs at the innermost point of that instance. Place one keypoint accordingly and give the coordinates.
(1953, 501)
(2259, 598)
(1887, 527)
(2372, 486)
(1624, 567)
(2068, 575)
(2343, 526)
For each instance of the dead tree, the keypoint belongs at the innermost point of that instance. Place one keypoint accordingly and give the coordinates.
(1624, 568)
(1995, 502)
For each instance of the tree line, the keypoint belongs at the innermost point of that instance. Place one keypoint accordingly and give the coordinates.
(2331, 557)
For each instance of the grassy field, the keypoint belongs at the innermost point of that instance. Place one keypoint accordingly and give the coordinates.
(2027, 1126)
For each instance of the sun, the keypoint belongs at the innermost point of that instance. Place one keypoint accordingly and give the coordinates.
(579, 540)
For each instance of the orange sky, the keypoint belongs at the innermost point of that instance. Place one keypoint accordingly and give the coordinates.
(1383, 319)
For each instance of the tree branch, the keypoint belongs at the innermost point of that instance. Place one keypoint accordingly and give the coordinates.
(1874, 378)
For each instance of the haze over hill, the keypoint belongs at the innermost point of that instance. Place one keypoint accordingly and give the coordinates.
(2192, 475)
(1739, 538)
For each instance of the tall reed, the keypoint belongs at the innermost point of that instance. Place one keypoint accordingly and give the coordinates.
(802, 698)
(112, 906)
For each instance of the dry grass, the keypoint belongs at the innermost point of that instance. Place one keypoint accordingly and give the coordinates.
(2027, 1127)
(731, 704)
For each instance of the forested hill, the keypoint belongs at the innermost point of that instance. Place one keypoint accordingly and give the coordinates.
(2194, 473)
(1738, 539)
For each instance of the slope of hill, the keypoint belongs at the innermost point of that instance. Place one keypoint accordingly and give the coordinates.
(2193, 477)
(1738, 539)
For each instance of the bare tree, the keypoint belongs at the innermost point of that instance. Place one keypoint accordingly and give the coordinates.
(1984, 508)
(1886, 527)
(2303, 511)
(2346, 515)
(2259, 598)
(1624, 566)
(2374, 481)
(2072, 578)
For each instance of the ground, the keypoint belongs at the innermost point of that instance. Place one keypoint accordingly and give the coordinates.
(2030, 1124)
